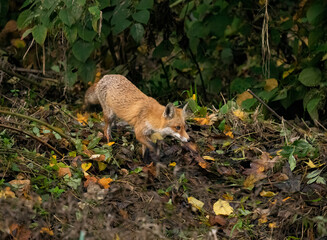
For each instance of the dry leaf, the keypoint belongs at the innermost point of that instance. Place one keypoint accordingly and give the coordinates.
(222, 207)
(98, 157)
(110, 143)
(104, 182)
(7, 193)
(21, 186)
(102, 166)
(229, 134)
(47, 231)
(150, 168)
(267, 194)
(263, 219)
(63, 171)
(228, 197)
(89, 180)
(242, 97)
(208, 158)
(173, 164)
(240, 114)
(195, 202)
(271, 84)
(272, 225)
(86, 166)
(156, 136)
(82, 118)
(214, 220)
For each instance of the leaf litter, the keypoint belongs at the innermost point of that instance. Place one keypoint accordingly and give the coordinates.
(233, 178)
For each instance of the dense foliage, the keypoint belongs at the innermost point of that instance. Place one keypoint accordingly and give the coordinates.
(216, 45)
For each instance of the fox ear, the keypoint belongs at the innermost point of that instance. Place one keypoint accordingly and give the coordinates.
(169, 111)
(184, 109)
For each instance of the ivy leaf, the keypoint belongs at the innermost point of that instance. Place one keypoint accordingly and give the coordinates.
(118, 28)
(145, 4)
(82, 50)
(310, 76)
(39, 33)
(137, 32)
(142, 16)
(24, 19)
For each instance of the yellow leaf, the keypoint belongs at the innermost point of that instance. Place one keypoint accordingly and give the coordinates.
(222, 207)
(267, 194)
(86, 166)
(240, 114)
(173, 164)
(102, 166)
(311, 164)
(288, 72)
(271, 84)
(228, 197)
(104, 182)
(110, 143)
(194, 97)
(18, 43)
(195, 202)
(249, 181)
(208, 158)
(263, 219)
(272, 225)
(156, 136)
(82, 118)
(285, 199)
(47, 231)
(229, 134)
(7, 193)
(242, 97)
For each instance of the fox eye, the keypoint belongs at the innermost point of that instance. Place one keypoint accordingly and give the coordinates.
(178, 127)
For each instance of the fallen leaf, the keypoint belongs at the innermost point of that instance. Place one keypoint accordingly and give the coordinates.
(173, 164)
(18, 43)
(222, 207)
(98, 157)
(229, 134)
(150, 168)
(47, 231)
(208, 158)
(267, 194)
(263, 219)
(82, 118)
(102, 166)
(228, 197)
(195, 202)
(110, 143)
(272, 225)
(242, 97)
(288, 72)
(86, 166)
(7, 193)
(21, 186)
(104, 182)
(63, 171)
(214, 220)
(271, 84)
(89, 180)
(240, 114)
(19, 232)
(155, 137)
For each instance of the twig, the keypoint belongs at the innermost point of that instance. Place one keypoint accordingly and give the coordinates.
(32, 136)
(57, 130)
(274, 113)
(19, 76)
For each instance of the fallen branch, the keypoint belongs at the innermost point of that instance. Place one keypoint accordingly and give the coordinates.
(32, 136)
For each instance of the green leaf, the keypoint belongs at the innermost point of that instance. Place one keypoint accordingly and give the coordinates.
(39, 33)
(93, 142)
(95, 11)
(121, 26)
(120, 14)
(310, 76)
(312, 107)
(292, 162)
(70, 33)
(312, 180)
(313, 174)
(24, 19)
(85, 33)
(314, 11)
(142, 16)
(87, 70)
(27, 32)
(137, 32)
(321, 180)
(227, 55)
(145, 4)
(82, 50)
(81, 2)
(66, 17)
(197, 29)
(163, 49)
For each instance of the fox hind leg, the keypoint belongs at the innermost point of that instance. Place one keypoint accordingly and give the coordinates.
(108, 116)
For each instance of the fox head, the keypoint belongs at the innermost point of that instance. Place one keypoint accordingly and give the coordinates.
(174, 122)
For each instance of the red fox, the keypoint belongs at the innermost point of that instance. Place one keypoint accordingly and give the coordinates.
(119, 97)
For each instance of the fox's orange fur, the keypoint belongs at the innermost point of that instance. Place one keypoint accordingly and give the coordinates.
(118, 96)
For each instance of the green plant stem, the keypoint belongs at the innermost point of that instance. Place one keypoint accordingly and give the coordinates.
(57, 130)
(204, 93)
(32, 136)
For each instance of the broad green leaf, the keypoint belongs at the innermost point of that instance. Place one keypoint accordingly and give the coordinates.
(85, 33)
(120, 14)
(145, 4)
(39, 33)
(81, 2)
(227, 55)
(292, 162)
(82, 50)
(27, 32)
(121, 26)
(24, 19)
(314, 11)
(163, 49)
(312, 107)
(312, 180)
(310, 76)
(94, 142)
(142, 16)
(70, 33)
(197, 29)
(95, 11)
(87, 70)
(66, 17)
(137, 32)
